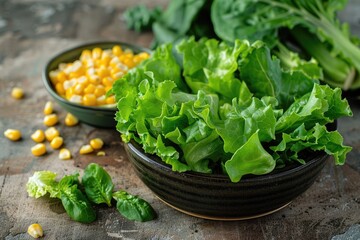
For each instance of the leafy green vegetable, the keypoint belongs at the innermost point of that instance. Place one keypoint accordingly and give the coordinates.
(41, 183)
(208, 112)
(309, 27)
(316, 138)
(313, 24)
(250, 158)
(98, 184)
(98, 187)
(141, 18)
(133, 207)
(76, 205)
(271, 80)
(181, 18)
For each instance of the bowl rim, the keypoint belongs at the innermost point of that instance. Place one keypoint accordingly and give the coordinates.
(135, 148)
(46, 70)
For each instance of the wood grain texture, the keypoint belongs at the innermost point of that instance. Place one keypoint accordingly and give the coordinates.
(31, 31)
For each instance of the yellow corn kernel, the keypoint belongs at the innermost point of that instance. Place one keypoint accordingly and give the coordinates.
(89, 89)
(60, 88)
(49, 108)
(17, 93)
(61, 76)
(101, 100)
(70, 120)
(86, 149)
(110, 100)
(52, 76)
(89, 99)
(100, 153)
(50, 120)
(99, 90)
(114, 61)
(35, 230)
(12, 134)
(38, 150)
(143, 55)
(129, 62)
(64, 154)
(57, 142)
(107, 81)
(96, 143)
(96, 53)
(105, 60)
(51, 133)
(116, 50)
(78, 88)
(94, 79)
(117, 75)
(85, 55)
(102, 72)
(76, 99)
(97, 63)
(38, 136)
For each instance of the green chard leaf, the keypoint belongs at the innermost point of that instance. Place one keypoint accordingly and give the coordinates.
(98, 184)
(133, 207)
(265, 77)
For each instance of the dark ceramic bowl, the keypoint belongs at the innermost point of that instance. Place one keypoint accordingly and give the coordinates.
(215, 197)
(99, 116)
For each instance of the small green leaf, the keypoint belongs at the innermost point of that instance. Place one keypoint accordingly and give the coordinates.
(76, 205)
(133, 207)
(98, 184)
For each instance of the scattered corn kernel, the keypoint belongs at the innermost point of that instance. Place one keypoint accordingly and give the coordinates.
(12, 134)
(50, 120)
(17, 93)
(51, 133)
(38, 136)
(70, 120)
(49, 108)
(86, 149)
(57, 142)
(96, 143)
(100, 153)
(35, 230)
(64, 154)
(94, 73)
(38, 150)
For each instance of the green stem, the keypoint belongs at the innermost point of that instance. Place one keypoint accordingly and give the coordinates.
(334, 68)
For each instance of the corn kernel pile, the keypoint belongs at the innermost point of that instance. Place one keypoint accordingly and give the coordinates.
(52, 135)
(86, 81)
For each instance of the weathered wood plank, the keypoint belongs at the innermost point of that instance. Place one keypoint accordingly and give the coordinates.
(31, 31)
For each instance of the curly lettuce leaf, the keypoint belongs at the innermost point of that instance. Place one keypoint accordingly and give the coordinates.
(41, 183)
(251, 158)
(241, 99)
(323, 105)
(210, 66)
(317, 138)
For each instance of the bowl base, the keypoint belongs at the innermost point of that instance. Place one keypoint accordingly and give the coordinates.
(218, 218)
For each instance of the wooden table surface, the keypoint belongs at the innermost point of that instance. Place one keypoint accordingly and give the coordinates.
(31, 31)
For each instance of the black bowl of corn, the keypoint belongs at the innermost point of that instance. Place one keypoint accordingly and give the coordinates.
(79, 78)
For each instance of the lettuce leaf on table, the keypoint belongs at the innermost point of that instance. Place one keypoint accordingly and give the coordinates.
(227, 108)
